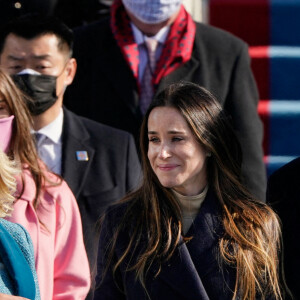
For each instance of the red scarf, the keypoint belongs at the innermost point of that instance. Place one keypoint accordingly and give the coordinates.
(177, 48)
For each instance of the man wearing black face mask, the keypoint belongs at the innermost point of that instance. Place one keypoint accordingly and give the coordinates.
(99, 163)
(41, 88)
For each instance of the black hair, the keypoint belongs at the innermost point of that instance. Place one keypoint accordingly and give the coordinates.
(31, 26)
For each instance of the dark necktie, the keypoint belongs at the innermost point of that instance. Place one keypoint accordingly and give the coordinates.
(44, 155)
(146, 83)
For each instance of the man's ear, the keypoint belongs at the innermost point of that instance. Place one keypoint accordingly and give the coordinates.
(70, 69)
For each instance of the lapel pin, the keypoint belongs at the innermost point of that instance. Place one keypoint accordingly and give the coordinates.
(82, 155)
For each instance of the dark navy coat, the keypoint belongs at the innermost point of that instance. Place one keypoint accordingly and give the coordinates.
(194, 271)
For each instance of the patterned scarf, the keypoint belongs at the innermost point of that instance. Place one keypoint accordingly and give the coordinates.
(176, 51)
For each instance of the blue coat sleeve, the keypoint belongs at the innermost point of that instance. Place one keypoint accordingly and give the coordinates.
(23, 241)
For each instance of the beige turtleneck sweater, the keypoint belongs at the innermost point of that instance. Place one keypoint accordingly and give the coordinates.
(190, 206)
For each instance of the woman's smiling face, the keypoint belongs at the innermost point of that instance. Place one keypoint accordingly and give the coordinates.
(176, 157)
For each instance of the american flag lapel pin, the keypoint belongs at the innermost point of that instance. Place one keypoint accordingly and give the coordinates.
(82, 156)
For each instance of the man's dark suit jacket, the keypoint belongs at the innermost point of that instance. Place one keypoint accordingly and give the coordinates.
(283, 193)
(220, 62)
(193, 272)
(112, 169)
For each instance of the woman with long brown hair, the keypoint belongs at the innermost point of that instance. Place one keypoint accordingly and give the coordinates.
(192, 230)
(45, 205)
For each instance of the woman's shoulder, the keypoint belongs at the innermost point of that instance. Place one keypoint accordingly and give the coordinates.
(27, 185)
(21, 237)
(17, 232)
(24, 243)
(14, 229)
(116, 210)
(56, 188)
(118, 213)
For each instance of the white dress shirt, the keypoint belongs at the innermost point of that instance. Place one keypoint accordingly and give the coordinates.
(140, 38)
(50, 148)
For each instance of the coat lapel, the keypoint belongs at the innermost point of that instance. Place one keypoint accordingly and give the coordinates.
(185, 71)
(205, 232)
(75, 138)
(180, 273)
(194, 258)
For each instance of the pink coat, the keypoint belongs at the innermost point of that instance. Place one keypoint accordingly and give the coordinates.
(60, 256)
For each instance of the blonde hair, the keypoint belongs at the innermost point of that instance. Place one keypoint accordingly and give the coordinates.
(8, 170)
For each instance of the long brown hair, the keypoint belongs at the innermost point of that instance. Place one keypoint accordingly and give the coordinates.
(22, 146)
(251, 238)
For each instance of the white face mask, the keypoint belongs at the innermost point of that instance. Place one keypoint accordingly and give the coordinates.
(152, 11)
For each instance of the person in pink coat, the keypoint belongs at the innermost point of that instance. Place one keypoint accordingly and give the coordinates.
(45, 206)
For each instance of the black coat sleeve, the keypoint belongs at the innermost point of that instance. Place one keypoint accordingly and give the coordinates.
(241, 103)
(283, 194)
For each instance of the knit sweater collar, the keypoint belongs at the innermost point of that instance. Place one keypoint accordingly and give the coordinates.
(190, 206)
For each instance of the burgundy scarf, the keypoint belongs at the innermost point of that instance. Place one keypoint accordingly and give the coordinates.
(177, 48)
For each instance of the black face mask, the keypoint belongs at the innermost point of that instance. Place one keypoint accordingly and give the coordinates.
(40, 88)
